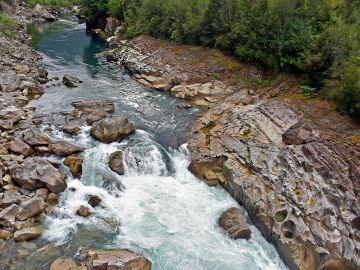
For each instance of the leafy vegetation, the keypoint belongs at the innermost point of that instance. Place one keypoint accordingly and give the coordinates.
(53, 3)
(7, 25)
(319, 38)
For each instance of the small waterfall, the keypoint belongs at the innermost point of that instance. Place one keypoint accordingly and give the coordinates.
(157, 208)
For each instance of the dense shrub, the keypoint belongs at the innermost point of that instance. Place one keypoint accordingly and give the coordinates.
(7, 25)
(345, 90)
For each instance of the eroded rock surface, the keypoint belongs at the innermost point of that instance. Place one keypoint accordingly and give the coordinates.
(303, 195)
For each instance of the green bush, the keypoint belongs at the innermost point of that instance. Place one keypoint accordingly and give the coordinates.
(53, 3)
(7, 25)
(345, 90)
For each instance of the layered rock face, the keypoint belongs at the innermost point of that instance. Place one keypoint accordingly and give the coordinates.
(303, 194)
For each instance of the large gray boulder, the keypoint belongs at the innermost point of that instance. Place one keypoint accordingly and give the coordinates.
(71, 81)
(234, 223)
(28, 234)
(112, 129)
(116, 163)
(117, 260)
(35, 137)
(36, 172)
(30, 208)
(64, 149)
(9, 81)
(41, 12)
(19, 147)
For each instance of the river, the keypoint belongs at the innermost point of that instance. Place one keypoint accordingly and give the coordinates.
(158, 208)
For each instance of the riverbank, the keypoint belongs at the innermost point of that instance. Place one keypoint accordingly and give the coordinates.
(290, 160)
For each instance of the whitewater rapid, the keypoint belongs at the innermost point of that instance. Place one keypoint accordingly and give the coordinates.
(158, 208)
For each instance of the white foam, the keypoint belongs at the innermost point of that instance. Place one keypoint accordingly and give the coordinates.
(169, 217)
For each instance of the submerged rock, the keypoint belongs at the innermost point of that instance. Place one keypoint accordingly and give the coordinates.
(116, 162)
(28, 234)
(234, 223)
(71, 81)
(117, 260)
(92, 105)
(112, 129)
(36, 172)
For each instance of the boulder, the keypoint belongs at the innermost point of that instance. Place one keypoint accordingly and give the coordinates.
(37, 172)
(296, 134)
(35, 137)
(28, 234)
(83, 211)
(234, 223)
(72, 129)
(22, 68)
(116, 162)
(8, 214)
(41, 12)
(64, 149)
(19, 147)
(32, 87)
(117, 260)
(30, 208)
(5, 235)
(10, 197)
(112, 129)
(75, 165)
(66, 264)
(94, 200)
(71, 81)
(96, 116)
(9, 116)
(52, 198)
(92, 105)
(9, 81)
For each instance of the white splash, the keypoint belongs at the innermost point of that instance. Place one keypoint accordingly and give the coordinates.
(164, 212)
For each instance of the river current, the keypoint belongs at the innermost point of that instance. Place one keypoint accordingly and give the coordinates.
(158, 208)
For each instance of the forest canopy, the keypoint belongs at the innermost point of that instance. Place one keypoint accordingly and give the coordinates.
(320, 38)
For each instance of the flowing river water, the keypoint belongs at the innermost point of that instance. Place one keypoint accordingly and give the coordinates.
(158, 208)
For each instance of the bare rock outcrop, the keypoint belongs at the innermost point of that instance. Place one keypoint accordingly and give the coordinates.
(301, 195)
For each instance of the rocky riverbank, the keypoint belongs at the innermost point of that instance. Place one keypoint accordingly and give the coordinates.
(30, 182)
(291, 161)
